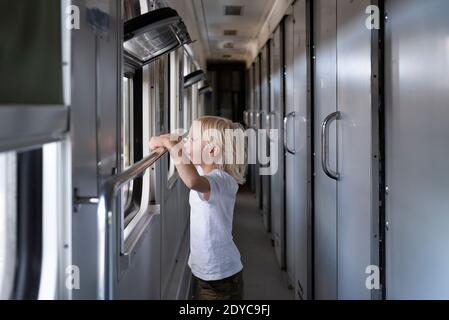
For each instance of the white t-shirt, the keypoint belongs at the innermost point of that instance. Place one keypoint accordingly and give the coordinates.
(213, 253)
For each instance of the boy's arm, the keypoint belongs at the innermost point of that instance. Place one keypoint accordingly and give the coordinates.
(186, 170)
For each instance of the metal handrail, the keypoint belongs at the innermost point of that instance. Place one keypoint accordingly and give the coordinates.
(105, 216)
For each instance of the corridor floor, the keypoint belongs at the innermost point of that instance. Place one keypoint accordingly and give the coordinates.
(263, 278)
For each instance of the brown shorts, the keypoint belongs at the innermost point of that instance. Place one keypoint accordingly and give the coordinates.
(227, 289)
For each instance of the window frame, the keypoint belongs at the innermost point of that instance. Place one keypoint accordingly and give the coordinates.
(8, 222)
(127, 138)
(141, 189)
(29, 226)
(174, 106)
(57, 221)
(151, 103)
(146, 91)
(38, 206)
(131, 211)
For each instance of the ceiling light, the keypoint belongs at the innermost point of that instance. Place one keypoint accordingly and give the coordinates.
(153, 34)
(233, 10)
(206, 89)
(193, 78)
(230, 32)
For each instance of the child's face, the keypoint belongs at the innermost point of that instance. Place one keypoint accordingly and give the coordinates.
(194, 147)
(198, 150)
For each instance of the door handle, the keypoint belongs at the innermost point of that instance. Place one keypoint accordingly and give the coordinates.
(259, 119)
(247, 118)
(251, 120)
(268, 120)
(286, 119)
(325, 145)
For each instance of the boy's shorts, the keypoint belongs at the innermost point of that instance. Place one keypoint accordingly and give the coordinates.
(227, 289)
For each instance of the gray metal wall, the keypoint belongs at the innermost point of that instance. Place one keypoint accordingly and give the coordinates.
(264, 180)
(96, 77)
(277, 151)
(417, 68)
(250, 108)
(257, 107)
(96, 103)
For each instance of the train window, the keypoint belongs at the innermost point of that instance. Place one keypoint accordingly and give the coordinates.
(132, 140)
(8, 220)
(35, 202)
(148, 104)
(146, 91)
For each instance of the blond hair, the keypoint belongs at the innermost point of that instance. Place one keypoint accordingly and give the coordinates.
(229, 137)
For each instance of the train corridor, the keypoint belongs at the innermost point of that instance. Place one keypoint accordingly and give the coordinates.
(338, 114)
(263, 279)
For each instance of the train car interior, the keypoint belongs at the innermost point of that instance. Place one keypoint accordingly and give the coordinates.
(344, 106)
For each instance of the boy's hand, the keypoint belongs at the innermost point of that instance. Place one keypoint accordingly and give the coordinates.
(158, 142)
(163, 141)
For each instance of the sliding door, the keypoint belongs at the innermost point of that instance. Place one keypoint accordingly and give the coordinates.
(346, 185)
(297, 149)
